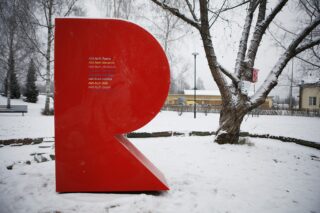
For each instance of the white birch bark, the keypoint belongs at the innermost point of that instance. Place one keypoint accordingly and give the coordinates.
(48, 56)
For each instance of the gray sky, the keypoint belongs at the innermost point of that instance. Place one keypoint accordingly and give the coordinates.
(226, 40)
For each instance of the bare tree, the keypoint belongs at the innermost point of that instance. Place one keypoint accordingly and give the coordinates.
(43, 20)
(10, 30)
(180, 80)
(170, 31)
(307, 64)
(14, 45)
(200, 84)
(236, 103)
(116, 8)
(309, 61)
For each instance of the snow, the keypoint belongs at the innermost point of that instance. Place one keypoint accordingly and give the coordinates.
(262, 175)
(267, 176)
(31, 125)
(307, 128)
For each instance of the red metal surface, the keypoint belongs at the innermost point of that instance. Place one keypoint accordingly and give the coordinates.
(111, 77)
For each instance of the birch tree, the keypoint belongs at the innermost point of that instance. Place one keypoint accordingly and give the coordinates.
(236, 103)
(9, 27)
(43, 21)
(14, 46)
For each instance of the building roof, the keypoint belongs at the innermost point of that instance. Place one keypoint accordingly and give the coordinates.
(202, 92)
(208, 92)
(310, 84)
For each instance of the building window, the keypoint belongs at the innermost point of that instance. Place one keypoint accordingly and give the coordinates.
(312, 101)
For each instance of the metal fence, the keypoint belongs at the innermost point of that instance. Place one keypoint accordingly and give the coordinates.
(180, 109)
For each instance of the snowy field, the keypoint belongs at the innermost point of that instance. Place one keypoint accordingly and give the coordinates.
(262, 176)
(31, 125)
(267, 176)
(34, 125)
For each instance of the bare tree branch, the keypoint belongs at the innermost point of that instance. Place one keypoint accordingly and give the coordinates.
(262, 12)
(45, 7)
(315, 54)
(244, 38)
(308, 62)
(218, 14)
(311, 8)
(191, 9)
(230, 75)
(210, 53)
(260, 30)
(70, 6)
(230, 8)
(307, 45)
(283, 28)
(292, 50)
(177, 13)
(302, 59)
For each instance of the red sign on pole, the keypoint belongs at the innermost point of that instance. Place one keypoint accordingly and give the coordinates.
(111, 77)
(254, 75)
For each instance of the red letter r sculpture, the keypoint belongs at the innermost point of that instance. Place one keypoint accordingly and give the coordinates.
(111, 77)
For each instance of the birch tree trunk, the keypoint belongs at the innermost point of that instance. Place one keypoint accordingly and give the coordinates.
(9, 88)
(9, 73)
(46, 110)
(10, 64)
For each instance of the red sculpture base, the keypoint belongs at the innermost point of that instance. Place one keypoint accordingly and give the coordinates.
(111, 77)
(119, 166)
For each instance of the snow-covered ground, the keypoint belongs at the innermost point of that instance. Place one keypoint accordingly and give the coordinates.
(262, 176)
(267, 176)
(34, 125)
(307, 128)
(31, 125)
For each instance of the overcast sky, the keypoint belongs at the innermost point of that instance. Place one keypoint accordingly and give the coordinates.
(226, 40)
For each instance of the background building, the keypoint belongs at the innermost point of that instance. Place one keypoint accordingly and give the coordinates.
(204, 97)
(309, 96)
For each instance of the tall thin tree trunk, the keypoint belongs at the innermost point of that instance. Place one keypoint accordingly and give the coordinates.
(9, 89)
(48, 59)
(10, 70)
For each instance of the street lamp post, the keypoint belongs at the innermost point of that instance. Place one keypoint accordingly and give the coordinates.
(195, 84)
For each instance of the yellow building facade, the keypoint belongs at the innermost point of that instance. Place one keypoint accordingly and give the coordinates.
(205, 97)
(310, 96)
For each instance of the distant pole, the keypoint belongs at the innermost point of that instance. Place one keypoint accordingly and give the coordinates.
(195, 84)
(290, 92)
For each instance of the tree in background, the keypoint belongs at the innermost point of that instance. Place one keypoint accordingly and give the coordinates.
(200, 84)
(43, 13)
(167, 28)
(14, 47)
(235, 101)
(31, 91)
(116, 8)
(309, 61)
(12, 87)
(305, 66)
(181, 81)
